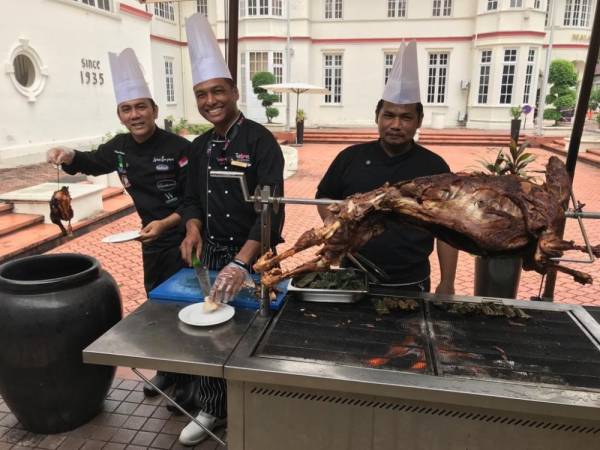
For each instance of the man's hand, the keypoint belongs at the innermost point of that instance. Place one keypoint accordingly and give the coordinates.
(60, 155)
(151, 231)
(445, 287)
(229, 282)
(192, 243)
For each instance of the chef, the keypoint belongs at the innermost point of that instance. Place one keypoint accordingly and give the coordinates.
(222, 229)
(151, 164)
(402, 251)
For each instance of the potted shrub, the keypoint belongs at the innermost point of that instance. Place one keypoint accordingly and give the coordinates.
(300, 116)
(515, 123)
(499, 276)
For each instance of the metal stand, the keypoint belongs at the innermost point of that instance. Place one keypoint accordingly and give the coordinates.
(265, 204)
(183, 411)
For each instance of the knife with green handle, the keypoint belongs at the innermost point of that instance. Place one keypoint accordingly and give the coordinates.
(202, 275)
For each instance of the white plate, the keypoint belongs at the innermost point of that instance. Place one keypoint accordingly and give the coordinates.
(195, 315)
(122, 237)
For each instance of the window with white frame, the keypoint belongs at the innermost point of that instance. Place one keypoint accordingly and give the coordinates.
(437, 77)
(577, 13)
(259, 62)
(508, 75)
(388, 63)
(547, 13)
(492, 5)
(169, 81)
(396, 8)
(442, 8)
(100, 4)
(334, 9)
(261, 8)
(164, 10)
(278, 69)
(202, 7)
(516, 3)
(537, 4)
(484, 76)
(528, 76)
(332, 64)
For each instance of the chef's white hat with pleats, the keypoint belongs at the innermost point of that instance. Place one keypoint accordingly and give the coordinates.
(402, 86)
(205, 55)
(127, 76)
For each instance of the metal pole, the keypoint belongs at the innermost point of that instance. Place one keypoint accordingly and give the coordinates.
(288, 64)
(542, 104)
(265, 245)
(232, 44)
(578, 123)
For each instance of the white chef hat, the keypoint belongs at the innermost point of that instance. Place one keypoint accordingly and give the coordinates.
(205, 55)
(402, 86)
(128, 79)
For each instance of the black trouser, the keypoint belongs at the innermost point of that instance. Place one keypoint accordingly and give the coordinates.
(160, 265)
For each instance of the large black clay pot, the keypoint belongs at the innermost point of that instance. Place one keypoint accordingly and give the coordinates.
(497, 276)
(51, 308)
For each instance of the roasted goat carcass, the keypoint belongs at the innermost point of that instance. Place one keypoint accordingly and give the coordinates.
(60, 209)
(481, 214)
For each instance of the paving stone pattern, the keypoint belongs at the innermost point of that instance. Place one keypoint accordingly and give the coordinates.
(22, 177)
(129, 421)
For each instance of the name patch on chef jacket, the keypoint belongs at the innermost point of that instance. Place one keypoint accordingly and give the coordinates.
(241, 160)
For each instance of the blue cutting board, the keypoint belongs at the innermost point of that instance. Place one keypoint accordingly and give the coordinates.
(184, 287)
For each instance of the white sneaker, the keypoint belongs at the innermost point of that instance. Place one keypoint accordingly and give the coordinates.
(193, 434)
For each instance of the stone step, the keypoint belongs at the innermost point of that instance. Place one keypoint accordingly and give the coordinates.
(5, 208)
(112, 192)
(9, 223)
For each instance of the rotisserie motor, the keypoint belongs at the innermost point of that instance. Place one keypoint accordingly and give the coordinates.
(481, 214)
(60, 209)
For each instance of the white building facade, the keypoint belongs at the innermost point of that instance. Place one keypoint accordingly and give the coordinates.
(477, 58)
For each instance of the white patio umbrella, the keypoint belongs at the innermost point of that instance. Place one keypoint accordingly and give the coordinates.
(297, 88)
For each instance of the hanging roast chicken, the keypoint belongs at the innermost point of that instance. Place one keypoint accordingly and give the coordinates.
(60, 209)
(481, 214)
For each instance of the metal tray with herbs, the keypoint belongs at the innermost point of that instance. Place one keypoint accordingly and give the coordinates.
(333, 286)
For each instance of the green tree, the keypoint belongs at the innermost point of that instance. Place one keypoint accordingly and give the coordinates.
(562, 97)
(266, 98)
(594, 98)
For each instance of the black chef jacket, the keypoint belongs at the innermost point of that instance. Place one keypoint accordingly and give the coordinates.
(227, 219)
(153, 173)
(402, 250)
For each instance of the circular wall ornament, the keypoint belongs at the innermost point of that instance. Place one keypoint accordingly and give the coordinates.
(26, 70)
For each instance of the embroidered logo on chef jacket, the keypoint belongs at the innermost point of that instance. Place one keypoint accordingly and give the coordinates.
(122, 169)
(167, 185)
(170, 198)
(183, 161)
(163, 167)
(124, 180)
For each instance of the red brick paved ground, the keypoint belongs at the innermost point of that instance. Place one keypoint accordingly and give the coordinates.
(123, 261)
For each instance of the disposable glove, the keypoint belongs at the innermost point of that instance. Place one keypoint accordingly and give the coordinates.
(229, 281)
